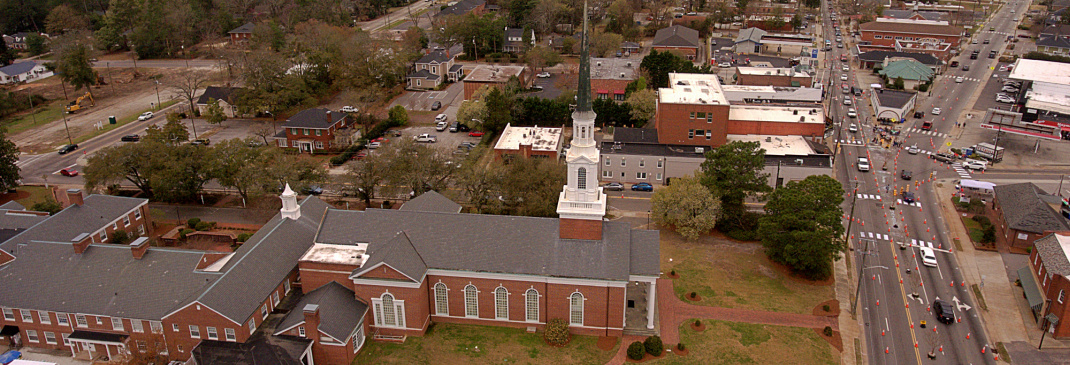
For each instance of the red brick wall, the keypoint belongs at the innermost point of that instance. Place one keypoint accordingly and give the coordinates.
(417, 312)
(674, 120)
(776, 128)
(870, 36)
(131, 229)
(582, 229)
(326, 136)
(772, 80)
(54, 327)
(690, 53)
(203, 317)
(1055, 285)
(316, 274)
(607, 85)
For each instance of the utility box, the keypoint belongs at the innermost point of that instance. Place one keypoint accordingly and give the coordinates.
(111, 119)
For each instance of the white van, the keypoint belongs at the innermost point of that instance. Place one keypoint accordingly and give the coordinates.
(928, 258)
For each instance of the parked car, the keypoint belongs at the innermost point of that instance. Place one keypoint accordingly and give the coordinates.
(643, 187)
(441, 126)
(928, 258)
(908, 197)
(954, 63)
(201, 142)
(919, 114)
(906, 175)
(1009, 89)
(475, 134)
(68, 149)
(614, 186)
(436, 105)
(393, 132)
(349, 109)
(992, 54)
(130, 138)
(374, 145)
(724, 64)
(542, 75)
(425, 138)
(943, 311)
(454, 128)
(863, 164)
(68, 172)
(1004, 98)
(145, 116)
(463, 128)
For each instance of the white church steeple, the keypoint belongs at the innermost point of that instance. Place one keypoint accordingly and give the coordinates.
(582, 205)
(290, 208)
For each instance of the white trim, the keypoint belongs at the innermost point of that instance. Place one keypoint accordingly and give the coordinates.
(583, 307)
(362, 272)
(327, 271)
(538, 310)
(475, 299)
(279, 332)
(507, 294)
(528, 278)
(392, 284)
(643, 278)
(209, 308)
(490, 319)
(445, 295)
(115, 222)
(398, 307)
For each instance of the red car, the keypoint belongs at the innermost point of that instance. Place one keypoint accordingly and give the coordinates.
(360, 155)
(475, 134)
(380, 140)
(68, 172)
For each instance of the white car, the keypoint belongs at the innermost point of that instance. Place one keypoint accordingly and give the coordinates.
(936, 111)
(349, 109)
(724, 65)
(441, 126)
(975, 165)
(1001, 98)
(425, 138)
(374, 145)
(959, 79)
(974, 41)
(543, 75)
(846, 68)
(928, 258)
(145, 116)
(913, 150)
(441, 118)
(1009, 89)
(843, 77)
(853, 128)
(846, 101)
(863, 164)
(852, 113)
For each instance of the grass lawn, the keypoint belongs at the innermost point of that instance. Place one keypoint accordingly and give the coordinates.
(42, 115)
(976, 233)
(37, 194)
(736, 275)
(447, 343)
(744, 343)
(119, 122)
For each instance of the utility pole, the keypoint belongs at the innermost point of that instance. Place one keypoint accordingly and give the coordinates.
(65, 126)
(846, 242)
(1047, 307)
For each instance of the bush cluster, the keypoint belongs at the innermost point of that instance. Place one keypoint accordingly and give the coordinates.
(653, 345)
(556, 332)
(827, 331)
(244, 236)
(636, 350)
(198, 224)
(988, 230)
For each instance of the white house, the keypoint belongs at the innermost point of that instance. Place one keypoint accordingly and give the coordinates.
(23, 72)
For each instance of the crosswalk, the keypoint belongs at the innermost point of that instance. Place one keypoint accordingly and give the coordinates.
(964, 79)
(869, 196)
(926, 133)
(914, 204)
(916, 243)
(991, 32)
(913, 242)
(962, 171)
(875, 236)
(851, 142)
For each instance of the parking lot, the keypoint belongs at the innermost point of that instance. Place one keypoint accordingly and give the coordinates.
(446, 142)
(991, 88)
(423, 100)
(552, 86)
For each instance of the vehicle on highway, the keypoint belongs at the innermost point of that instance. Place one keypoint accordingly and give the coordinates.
(905, 175)
(852, 113)
(919, 114)
(973, 55)
(959, 79)
(613, 186)
(913, 150)
(145, 116)
(908, 197)
(475, 134)
(853, 128)
(839, 45)
(863, 164)
(724, 65)
(643, 187)
(843, 77)
(846, 68)
(425, 138)
(936, 111)
(928, 258)
(543, 75)
(975, 165)
(992, 54)
(436, 105)
(943, 312)
(847, 101)
(954, 63)
(965, 67)
(974, 41)
(349, 109)
(927, 125)
(130, 138)
(68, 172)
(943, 157)
(68, 149)
(843, 58)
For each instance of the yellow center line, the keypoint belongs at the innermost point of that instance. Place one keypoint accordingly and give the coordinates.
(902, 291)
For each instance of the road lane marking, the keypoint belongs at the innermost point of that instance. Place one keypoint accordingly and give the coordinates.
(902, 291)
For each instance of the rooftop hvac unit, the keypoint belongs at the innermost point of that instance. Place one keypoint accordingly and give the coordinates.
(700, 150)
(799, 161)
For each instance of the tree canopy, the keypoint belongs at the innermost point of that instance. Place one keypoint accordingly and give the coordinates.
(657, 66)
(736, 171)
(687, 206)
(9, 155)
(802, 228)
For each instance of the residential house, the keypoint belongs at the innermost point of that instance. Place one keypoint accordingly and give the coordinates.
(913, 72)
(241, 35)
(678, 39)
(611, 76)
(24, 71)
(628, 48)
(494, 76)
(514, 40)
(17, 41)
(1046, 283)
(464, 7)
(433, 69)
(1057, 45)
(224, 94)
(529, 142)
(314, 130)
(1055, 30)
(1025, 214)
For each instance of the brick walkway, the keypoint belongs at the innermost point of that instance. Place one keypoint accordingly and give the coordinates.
(674, 312)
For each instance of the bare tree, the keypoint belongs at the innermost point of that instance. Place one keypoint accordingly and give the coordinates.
(264, 130)
(933, 339)
(187, 84)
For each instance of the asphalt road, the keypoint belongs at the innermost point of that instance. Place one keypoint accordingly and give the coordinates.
(884, 231)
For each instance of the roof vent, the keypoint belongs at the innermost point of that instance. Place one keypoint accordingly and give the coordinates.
(599, 64)
(795, 112)
(629, 64)
(802, 119)
(768, 139)
(622, 75)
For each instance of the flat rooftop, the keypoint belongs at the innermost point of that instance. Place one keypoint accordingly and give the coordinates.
(495, 74)
(784, 114)
(779, 71)
(336, 254)
(752, 93)
(539, 138)
(777, 145)
(894, 98)
(1049, 96)
(1043, 71)
(692, 89)
(614, 69)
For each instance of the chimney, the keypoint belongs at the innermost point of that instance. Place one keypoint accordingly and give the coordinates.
(312, 322)
(139, 247)
(75, 196)
(328, 117)
(81, 242)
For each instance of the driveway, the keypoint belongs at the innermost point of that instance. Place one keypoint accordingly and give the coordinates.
(422, 100)
(549, 87)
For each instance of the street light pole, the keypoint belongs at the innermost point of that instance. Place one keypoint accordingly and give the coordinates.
(1047, 307)
(65, 126)
(158, 106)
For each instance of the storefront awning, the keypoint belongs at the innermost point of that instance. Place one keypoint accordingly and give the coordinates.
(97, 337)
(603, 91)
(1032, 291)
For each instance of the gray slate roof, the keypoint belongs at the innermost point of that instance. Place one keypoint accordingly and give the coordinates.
(104, 280)
(13, 219)
(1024, 210)
(498, 244)
(432, 201)
(74, 220)
(218, 93)
(18, 68)
(436, 56)
(400, 254)
(12, 205)
(262, 262)
(894, 98)
(750, 34)
(423, 74)
(1051, 252)
(319, 118)
(340, 311)
(1054, 41)
(244, 28)
(461, 8)
(676, 36)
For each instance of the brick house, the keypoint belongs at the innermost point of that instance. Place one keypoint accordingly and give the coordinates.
(225, 95)
(1025, 215)
(432, 69)
(313, 130)
(529, 142)
(242, 34)
(678, 39)
(1049, 266)
(885, 32)
(611, 76)
(494, 76)
(17, 41)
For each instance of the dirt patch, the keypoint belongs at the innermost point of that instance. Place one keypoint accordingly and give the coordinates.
(835, 340)
(646, 357)
(694, 298)
(672, 275)
(678, 351)
(834, 308)
(607, 343)
(18, 194)
(698, 326)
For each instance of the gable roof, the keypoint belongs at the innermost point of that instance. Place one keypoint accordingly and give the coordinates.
(423, 74)
(1024, 210)
(750, 34)
(494, 243)
(908, 69)
(438, 56)
(12, 205)
(262, 262)
(1052, 250)
(217, 92)
(400, 254)
(880, 56)
(676, 36)
(911, 28)
(1056, 29)
(432, 201)
(1059, 41)
(19, 219)
(244, 28)
(18, 68)
(339, 310)
(96, 212)
(319, 118)
(461, 7)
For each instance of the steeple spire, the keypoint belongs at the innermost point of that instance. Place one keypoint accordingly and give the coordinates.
(583, 93)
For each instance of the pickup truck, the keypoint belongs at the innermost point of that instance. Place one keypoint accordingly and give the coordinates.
(425, 138)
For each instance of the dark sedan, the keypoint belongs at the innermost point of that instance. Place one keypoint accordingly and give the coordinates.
(68, 149)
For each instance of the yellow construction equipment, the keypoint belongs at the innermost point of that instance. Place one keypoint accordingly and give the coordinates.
(77, 105)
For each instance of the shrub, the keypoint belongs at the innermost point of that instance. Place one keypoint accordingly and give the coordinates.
(989, 235)
(672, 272)
(826, 308)
(923, 88)
(387, 204)
(192, 222)
(204, 226)
(680, 347)
(120, 237)
(635, 350)
(244, 236)
(185, 231)
(982, 220)
(827, 331)
(49, 205)
(693, 294)
(698, 323)
(653, 345)
(556, 332)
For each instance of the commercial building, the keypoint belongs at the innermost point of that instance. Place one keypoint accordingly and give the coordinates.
(926, 36)
(872, 58)
(912, 72)
(1047, 283)
(1026, 213)
(493, 76)
(763, 76)
(755, 40)
(610, 77)
(893, 105)
(529, 142)
(748, 94)
(1045, 85)
(678, 39)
